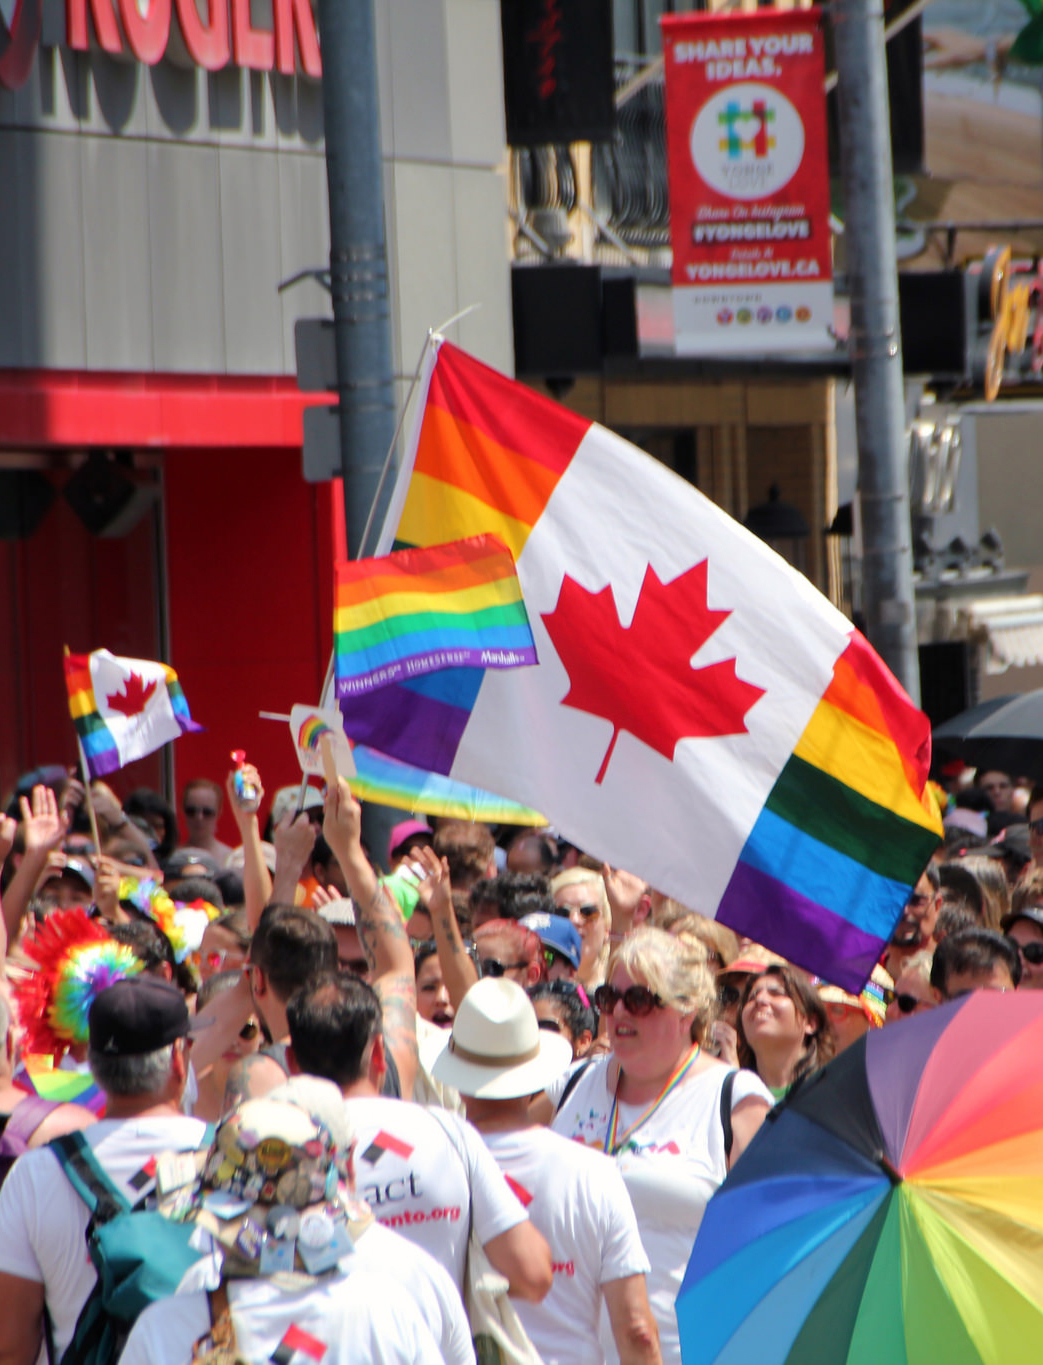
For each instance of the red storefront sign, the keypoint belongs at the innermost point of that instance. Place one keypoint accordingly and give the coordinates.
(174, 28)
(749, 182)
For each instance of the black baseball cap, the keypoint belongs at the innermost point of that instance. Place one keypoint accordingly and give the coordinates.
(136, 1015)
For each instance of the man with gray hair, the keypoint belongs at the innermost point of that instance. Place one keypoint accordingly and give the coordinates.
(137, 1054)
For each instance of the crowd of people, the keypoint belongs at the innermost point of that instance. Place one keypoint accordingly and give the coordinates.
(463, 1093)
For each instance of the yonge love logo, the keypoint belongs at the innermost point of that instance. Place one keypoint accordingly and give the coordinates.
(747, 141)
(640, 676)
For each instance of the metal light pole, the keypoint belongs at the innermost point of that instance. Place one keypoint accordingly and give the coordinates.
(876, 343)
(358, 276)
(358, 253)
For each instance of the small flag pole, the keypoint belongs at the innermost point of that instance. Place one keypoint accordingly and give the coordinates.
(86, 774)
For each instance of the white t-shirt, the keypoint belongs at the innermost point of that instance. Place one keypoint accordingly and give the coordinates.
(382, 1252)
(671, 1166)
(43, 1221)
(412, 1176)
(577, 1199)
(359, 1319)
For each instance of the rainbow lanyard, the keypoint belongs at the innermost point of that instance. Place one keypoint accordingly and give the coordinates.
(614, 1144)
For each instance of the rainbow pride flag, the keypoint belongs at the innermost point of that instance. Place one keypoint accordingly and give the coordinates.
(123, 709)
(419, 611)
(387, 782)
(700, 714)
(40, 1075)
(412, 633)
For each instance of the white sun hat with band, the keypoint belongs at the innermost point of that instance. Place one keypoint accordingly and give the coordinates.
(497, 1050)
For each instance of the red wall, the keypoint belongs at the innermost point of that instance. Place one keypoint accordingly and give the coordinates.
(66, 587)
(250, 574)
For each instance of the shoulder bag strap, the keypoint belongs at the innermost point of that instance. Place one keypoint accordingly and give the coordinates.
(87, 1178)
(726, 1111)
(570, 1084)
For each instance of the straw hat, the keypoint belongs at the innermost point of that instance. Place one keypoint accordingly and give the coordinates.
(497, 1050)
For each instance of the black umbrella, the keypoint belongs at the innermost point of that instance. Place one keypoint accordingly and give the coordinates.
(952, 734)
(1006, 733)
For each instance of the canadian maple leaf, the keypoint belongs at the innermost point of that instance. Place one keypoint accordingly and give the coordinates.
(134, 697)
(640, 676)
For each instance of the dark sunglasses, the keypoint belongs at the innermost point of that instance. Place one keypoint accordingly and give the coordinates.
(249, 1031)
(1036, 826)
(918, 899)
(1031, 952)
(551, 1025)
(637, 1000)
(490, 967)
(199, 810)
(587, 911)
(906, 1003)
(358, 966)
(728, 995)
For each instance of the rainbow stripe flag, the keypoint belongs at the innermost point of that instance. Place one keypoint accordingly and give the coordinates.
(387, 782)
(407, 626)
(419, 611)
(700, 714)
(123, 709)
(40, 1075)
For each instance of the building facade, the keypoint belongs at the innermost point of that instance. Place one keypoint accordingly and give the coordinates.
(162, 171)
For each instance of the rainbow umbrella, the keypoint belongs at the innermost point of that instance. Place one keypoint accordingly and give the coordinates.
(891, 1212)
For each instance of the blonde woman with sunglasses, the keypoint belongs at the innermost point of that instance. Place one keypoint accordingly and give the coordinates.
(674, 1118)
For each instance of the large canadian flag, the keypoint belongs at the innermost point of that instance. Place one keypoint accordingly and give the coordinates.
(700, 714)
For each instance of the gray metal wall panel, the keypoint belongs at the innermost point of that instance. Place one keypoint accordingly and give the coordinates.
(304, 242)
(20, 261)
(419, 84)
(177, 107)
(52, 96)
(59, 245)
(188, 323)
(118, 285)
(251, 260)
(241, 108)
(298, 114)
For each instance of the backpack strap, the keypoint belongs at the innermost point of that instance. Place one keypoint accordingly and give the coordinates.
(570, 1085)
(726, 1111)
(84, 1173)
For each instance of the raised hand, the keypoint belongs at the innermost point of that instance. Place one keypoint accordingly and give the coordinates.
(44, 826)
(342, 822)
(250, 774)
(434, 887)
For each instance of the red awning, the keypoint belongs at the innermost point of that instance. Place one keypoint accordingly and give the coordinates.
(56, 409)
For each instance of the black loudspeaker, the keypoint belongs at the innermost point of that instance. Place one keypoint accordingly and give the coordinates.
(25, 496)
(557, 319)
(105, 497)
(619, 315)
(558, 74)
(933, 310)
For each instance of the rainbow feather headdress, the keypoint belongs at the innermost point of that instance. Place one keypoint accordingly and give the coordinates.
(183, 922)
(74, 959)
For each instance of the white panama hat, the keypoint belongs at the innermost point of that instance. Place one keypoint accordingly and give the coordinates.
(497, 1050)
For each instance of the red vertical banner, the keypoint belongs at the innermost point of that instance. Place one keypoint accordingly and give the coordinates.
(749, 182)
